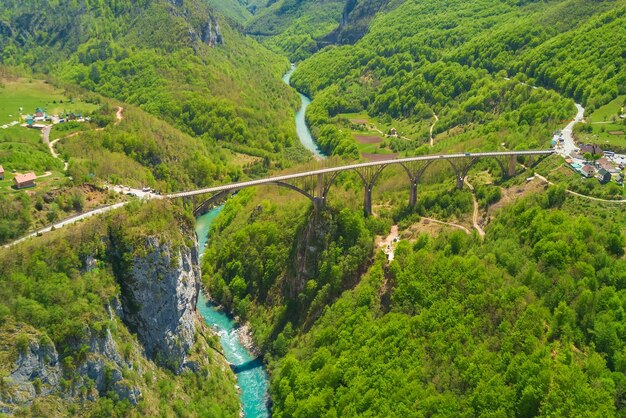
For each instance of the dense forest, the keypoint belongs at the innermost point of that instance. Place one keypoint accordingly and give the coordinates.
(425, 58)
(180, 62)
(526, 323)
(504, 298)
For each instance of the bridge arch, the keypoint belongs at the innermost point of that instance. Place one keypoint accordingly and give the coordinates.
(221, 195)
(464, 170)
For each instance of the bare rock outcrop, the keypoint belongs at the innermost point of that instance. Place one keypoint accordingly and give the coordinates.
(159, 294)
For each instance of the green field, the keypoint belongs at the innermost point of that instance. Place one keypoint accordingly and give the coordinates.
(22, 149)
(609, 112)
(31, 94)
(54, 180)
(600, 135)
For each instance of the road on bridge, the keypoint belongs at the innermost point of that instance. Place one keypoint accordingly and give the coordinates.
(268, 180)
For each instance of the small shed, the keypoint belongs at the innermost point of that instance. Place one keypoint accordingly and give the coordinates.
(603, 176)
(1, 173)
(23, 181)
(393, 132)
(40, 113)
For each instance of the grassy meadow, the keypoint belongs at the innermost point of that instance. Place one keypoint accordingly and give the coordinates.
(29, 94)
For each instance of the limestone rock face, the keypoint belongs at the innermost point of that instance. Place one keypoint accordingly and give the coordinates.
(38, 363)
(212, 35)
(159, 295)
(38, 372)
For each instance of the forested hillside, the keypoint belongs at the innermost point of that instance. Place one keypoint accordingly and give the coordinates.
(69, 321)
(526, 323)
(179, 61)
(452, 60)
(301, 28)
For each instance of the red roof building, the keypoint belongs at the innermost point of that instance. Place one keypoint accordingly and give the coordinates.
(588, 170)
(23, 181)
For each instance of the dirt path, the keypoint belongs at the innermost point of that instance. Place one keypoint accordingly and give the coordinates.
(46, 174)
(432, 139)
(477, 227)
(45, 132)
(467, 231)
(118, 115)
(387, 244)
(597, 199)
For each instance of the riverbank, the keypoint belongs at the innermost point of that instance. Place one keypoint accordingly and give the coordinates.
(236, 341)
(302, 129)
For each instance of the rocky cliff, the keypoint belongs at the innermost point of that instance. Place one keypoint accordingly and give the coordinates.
(101, 319)
(150, 315)
(159, 293)
(38, 371)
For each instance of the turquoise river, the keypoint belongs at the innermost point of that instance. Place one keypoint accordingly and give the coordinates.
(253, 381)
(304, 134)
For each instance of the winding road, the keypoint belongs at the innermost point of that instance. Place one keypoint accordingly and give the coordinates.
(45, 132)
(573, 193)
(67, 221)
(568, 137)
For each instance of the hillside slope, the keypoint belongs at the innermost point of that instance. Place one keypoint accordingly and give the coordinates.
(301, 28)
(178, 60)
(77, 320)
(453, 59)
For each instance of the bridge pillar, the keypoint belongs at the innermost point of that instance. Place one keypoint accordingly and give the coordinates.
(367, 201)
(512, 163)
(459, 182)
(319, 203)
(413, 196)
(320, 185)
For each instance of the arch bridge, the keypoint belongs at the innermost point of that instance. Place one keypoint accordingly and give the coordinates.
(315, 184)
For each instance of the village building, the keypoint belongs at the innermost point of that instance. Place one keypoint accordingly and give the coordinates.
(588, 170)
(603, 176)
(40, 113)
(608, 165)
(1, 173)
(393, 132)
(23, 181)
(592, 149)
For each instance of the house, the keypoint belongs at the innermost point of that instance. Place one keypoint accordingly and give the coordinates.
(588, 170)
(40, 113)
(1, 173)
(23, 181)
(393, 132)
(592, 149)
(609, 166)
(29, 120)
(603, 176)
